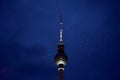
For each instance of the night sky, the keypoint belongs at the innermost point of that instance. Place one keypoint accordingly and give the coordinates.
(29, 35)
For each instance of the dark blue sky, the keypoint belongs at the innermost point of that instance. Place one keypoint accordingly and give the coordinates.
(29, 35)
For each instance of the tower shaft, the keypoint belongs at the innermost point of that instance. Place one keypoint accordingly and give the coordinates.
(61, 77)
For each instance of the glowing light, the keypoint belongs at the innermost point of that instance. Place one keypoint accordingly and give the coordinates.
(60, 69)
(61, 62)
(60, 22)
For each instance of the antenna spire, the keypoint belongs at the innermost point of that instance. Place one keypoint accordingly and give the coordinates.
(61, 41)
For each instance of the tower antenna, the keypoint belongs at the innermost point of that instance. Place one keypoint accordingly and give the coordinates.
(61, 40)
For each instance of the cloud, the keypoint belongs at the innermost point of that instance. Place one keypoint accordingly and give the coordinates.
(14, 59)
(32, 70)
(26, 71)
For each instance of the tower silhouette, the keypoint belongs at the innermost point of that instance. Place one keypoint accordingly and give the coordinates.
(61, 58)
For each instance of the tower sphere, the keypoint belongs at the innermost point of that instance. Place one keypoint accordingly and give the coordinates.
(61, 59)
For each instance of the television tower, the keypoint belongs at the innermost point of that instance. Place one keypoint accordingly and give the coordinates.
(61, 58)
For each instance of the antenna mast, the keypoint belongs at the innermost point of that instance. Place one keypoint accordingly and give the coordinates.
(61, 40)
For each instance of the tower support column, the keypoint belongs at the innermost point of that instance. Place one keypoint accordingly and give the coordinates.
(61, 77)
